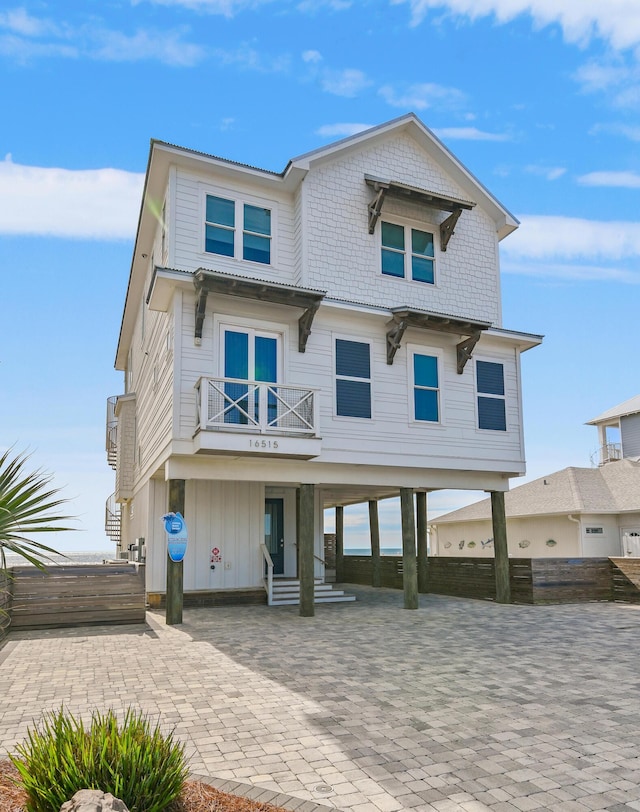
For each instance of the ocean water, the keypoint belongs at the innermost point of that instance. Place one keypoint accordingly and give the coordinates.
(367, 551)
(90, 557)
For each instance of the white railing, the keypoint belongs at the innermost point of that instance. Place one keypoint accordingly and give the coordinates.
(269, 582)
(265, 408)
(111, 442)
(609, 452)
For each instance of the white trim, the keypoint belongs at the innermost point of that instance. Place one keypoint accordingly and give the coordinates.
(238, 199)
(334, 377)
(408, 224)
(490, 360)
(438, 353)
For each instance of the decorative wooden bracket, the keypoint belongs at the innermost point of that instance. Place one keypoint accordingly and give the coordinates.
(304, 325)
(394, 337)
(465, 349)
(201, 307)
(447, 226)
(375, 207)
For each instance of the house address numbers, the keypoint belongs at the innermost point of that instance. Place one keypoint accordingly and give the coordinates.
(263, 444)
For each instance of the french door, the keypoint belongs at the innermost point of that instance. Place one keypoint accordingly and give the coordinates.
(249, 355)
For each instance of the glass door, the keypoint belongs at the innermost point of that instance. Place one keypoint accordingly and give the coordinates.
(249, 355)
(274, 532)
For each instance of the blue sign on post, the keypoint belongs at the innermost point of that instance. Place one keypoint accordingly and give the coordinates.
(176, 529)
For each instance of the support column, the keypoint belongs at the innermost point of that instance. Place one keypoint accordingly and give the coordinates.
(421, 517)
(374, 529)
(339, 544)
(307, 537)
(501, 550)
(409, 568)
(175, 577)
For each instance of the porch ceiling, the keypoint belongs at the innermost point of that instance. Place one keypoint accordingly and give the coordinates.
(342, 495)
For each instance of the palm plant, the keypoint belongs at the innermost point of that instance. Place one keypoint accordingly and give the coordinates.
(27, 505)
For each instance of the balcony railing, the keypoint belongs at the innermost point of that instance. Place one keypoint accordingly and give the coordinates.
(609, 452)
(235, 405)
(111, 443)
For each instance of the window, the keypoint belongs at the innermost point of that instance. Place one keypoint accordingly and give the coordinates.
(426, 393)
(353, 378)
(407, 253)
(221, 237)
(595, 531)
(491, 400)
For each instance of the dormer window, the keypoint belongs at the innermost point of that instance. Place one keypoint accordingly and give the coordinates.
(407, 253)
(222, 237)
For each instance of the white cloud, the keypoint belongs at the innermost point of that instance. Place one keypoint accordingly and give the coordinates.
(566, 272)
(249, 58)
(348, 82)
(627, 180)
(312, 56)
(616, 21)
(625, 130)
(422, 96)
(30, 38)
(469, 134)
(547, 172)
(542, 237)
(341, 129)
(83, 204)
(619, 79)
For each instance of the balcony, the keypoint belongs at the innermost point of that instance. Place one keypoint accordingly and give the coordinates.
(609, 452)
(251, 418)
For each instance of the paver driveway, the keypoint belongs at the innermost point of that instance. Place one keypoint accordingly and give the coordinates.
(459, 705)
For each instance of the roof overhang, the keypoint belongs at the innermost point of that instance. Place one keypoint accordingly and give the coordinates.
(216, 282)
(414, 194)
(404, 317)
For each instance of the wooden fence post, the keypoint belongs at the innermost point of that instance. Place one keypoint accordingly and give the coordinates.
(409, 568)
(175, 576)
(500, 547)
(374, 529)
(421, 516)
(307, 537)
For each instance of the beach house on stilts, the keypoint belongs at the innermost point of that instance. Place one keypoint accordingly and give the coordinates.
(312, 338)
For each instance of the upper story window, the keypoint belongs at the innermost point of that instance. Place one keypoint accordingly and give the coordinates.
(252, 242)
(426, 388)
(353, 378)
(491, 397)
(407, 252)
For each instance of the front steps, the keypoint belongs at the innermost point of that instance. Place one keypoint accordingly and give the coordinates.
(286, 592)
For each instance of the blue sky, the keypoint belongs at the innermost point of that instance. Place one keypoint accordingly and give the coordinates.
(540, 100)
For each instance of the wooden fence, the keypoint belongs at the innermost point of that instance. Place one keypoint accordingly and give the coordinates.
(5, 603)
(77, 595)
(532, 580)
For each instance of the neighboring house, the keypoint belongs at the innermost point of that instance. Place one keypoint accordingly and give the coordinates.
(318, 337)
(576, 512)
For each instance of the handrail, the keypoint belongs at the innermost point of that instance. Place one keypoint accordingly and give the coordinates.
(317, 557)
(269, 563)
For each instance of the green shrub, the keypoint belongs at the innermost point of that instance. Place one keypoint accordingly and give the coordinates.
(141, 766)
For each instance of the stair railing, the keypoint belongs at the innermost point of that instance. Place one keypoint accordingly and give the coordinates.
(269, 583)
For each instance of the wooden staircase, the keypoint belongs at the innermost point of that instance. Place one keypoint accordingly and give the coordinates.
(286, 592)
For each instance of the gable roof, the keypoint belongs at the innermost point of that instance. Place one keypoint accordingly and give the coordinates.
(631, 406)
(431, 144)
(613, 488)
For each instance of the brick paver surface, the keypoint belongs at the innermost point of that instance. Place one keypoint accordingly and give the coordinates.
(367, 707)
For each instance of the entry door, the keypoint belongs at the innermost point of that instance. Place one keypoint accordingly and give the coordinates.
(274, 532)
(631, 542)
(249, 355)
